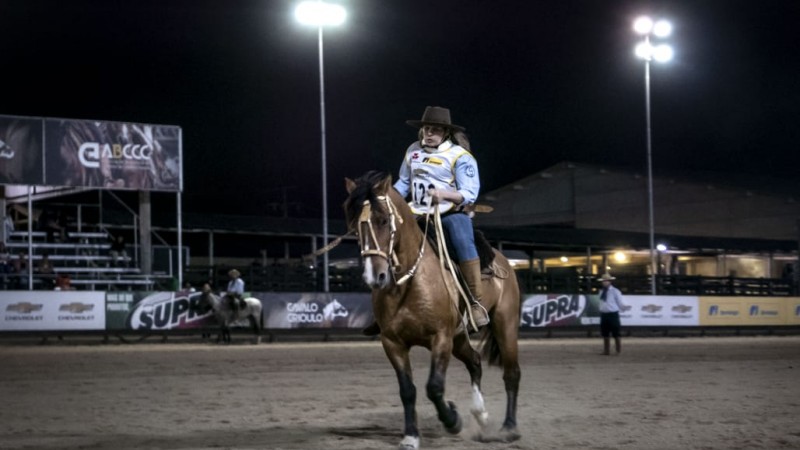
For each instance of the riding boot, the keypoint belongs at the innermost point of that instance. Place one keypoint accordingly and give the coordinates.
(372, 329)
(471, 270)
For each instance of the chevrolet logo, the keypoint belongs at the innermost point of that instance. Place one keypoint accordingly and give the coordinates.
(76, 307)
(24, 307)
(681, 309)
(651, 308)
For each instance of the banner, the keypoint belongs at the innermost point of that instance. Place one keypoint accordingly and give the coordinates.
(112, 155)
(156, 311)
(747, 311)
(287, 310)
(21, 153)
(560, 310)
(52, 310)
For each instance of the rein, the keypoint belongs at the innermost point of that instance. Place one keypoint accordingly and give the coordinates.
(365, 221)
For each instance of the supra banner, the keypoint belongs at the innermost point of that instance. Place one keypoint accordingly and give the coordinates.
(156, 311)
(560, 310)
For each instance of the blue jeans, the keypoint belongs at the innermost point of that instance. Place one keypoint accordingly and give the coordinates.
(460, 236)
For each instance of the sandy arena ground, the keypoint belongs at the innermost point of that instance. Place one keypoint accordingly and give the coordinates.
(661, 393)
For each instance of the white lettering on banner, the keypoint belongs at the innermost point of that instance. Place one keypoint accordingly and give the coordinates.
(89, 153)
(302, 307)
(303, 312)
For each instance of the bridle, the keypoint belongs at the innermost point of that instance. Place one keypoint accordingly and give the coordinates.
(368, 240)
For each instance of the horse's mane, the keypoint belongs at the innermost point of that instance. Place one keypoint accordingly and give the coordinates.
(363, 192)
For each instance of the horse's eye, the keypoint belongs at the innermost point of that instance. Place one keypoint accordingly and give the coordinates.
(383, 221)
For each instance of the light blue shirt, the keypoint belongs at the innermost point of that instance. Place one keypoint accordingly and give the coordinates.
(236, 286)
(613, 301)
(449, 167)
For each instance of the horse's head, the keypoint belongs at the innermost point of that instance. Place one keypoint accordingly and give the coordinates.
(373, 216)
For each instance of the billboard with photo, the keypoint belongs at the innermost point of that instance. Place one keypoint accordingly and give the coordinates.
(112, 155)
(21, 152)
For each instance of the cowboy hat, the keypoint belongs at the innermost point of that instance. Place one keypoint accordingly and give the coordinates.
(234, 273)
(435, 115)
(606, 277)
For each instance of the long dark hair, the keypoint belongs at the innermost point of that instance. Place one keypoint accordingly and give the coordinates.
(457, 136)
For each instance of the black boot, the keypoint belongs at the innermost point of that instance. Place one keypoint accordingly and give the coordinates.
(372, 329)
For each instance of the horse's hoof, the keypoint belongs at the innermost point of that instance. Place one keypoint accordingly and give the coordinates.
(409, 443)
(456, 427)
(509, 434)
(482, 417)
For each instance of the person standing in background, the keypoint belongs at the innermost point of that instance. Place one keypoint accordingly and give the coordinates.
(610, 305)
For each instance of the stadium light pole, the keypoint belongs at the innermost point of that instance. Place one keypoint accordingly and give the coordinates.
(648, 52)
(321, 14)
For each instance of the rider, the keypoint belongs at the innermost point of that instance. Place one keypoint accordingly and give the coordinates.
(235, 290)
(439, 169)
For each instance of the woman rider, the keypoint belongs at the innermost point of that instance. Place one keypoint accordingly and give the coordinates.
(438, 169)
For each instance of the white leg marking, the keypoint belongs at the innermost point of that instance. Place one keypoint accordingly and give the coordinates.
(478, 408)
(409, 443)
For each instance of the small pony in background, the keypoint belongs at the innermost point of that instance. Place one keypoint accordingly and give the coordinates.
(225, 314)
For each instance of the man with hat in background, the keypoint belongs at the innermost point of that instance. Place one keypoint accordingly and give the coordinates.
(235, 291)
(610, 306)
(438, 169)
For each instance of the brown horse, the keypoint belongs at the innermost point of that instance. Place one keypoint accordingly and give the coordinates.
(416, 304)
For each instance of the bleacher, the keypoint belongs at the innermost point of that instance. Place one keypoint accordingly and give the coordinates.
(83, 255)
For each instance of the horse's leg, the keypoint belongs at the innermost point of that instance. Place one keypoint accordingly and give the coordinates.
(506, 330)
(463, 351)
(440, 358)
(398, 357)
(256, 328)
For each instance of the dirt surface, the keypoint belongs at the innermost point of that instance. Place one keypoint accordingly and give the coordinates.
(661, 393)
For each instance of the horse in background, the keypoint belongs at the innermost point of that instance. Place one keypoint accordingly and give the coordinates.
(225, 315)
(416, 304)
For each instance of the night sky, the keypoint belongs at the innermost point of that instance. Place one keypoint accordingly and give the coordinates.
(534, 83)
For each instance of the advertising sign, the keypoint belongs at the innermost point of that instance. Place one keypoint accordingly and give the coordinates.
(156, 311)
(554, 310)
(744, 311)
(52, 311)
(648, 310)
(316, 310)
(112, 155)
(21, 153)
(793, 311)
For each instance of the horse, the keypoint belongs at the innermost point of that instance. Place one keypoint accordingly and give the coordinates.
(415, 304)
(225, 314)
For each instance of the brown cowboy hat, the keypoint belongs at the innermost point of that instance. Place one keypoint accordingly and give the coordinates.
(435, 115)
(234, 273)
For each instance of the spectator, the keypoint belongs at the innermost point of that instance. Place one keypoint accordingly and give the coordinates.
(8, 225)
(20, 271)
(53, 224)
(63, 282)
(118, 251)
(5, 265)
(610, 306)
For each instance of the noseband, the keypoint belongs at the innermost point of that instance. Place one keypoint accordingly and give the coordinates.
(368, 240)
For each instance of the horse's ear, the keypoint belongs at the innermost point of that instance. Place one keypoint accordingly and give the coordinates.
(349, 184)
(382, 187)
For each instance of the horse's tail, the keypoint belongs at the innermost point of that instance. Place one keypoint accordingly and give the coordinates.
(490, 348)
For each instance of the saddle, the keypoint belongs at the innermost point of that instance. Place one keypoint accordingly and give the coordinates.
(485, 252)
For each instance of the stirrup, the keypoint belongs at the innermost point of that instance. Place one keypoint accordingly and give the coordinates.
(479, 314)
